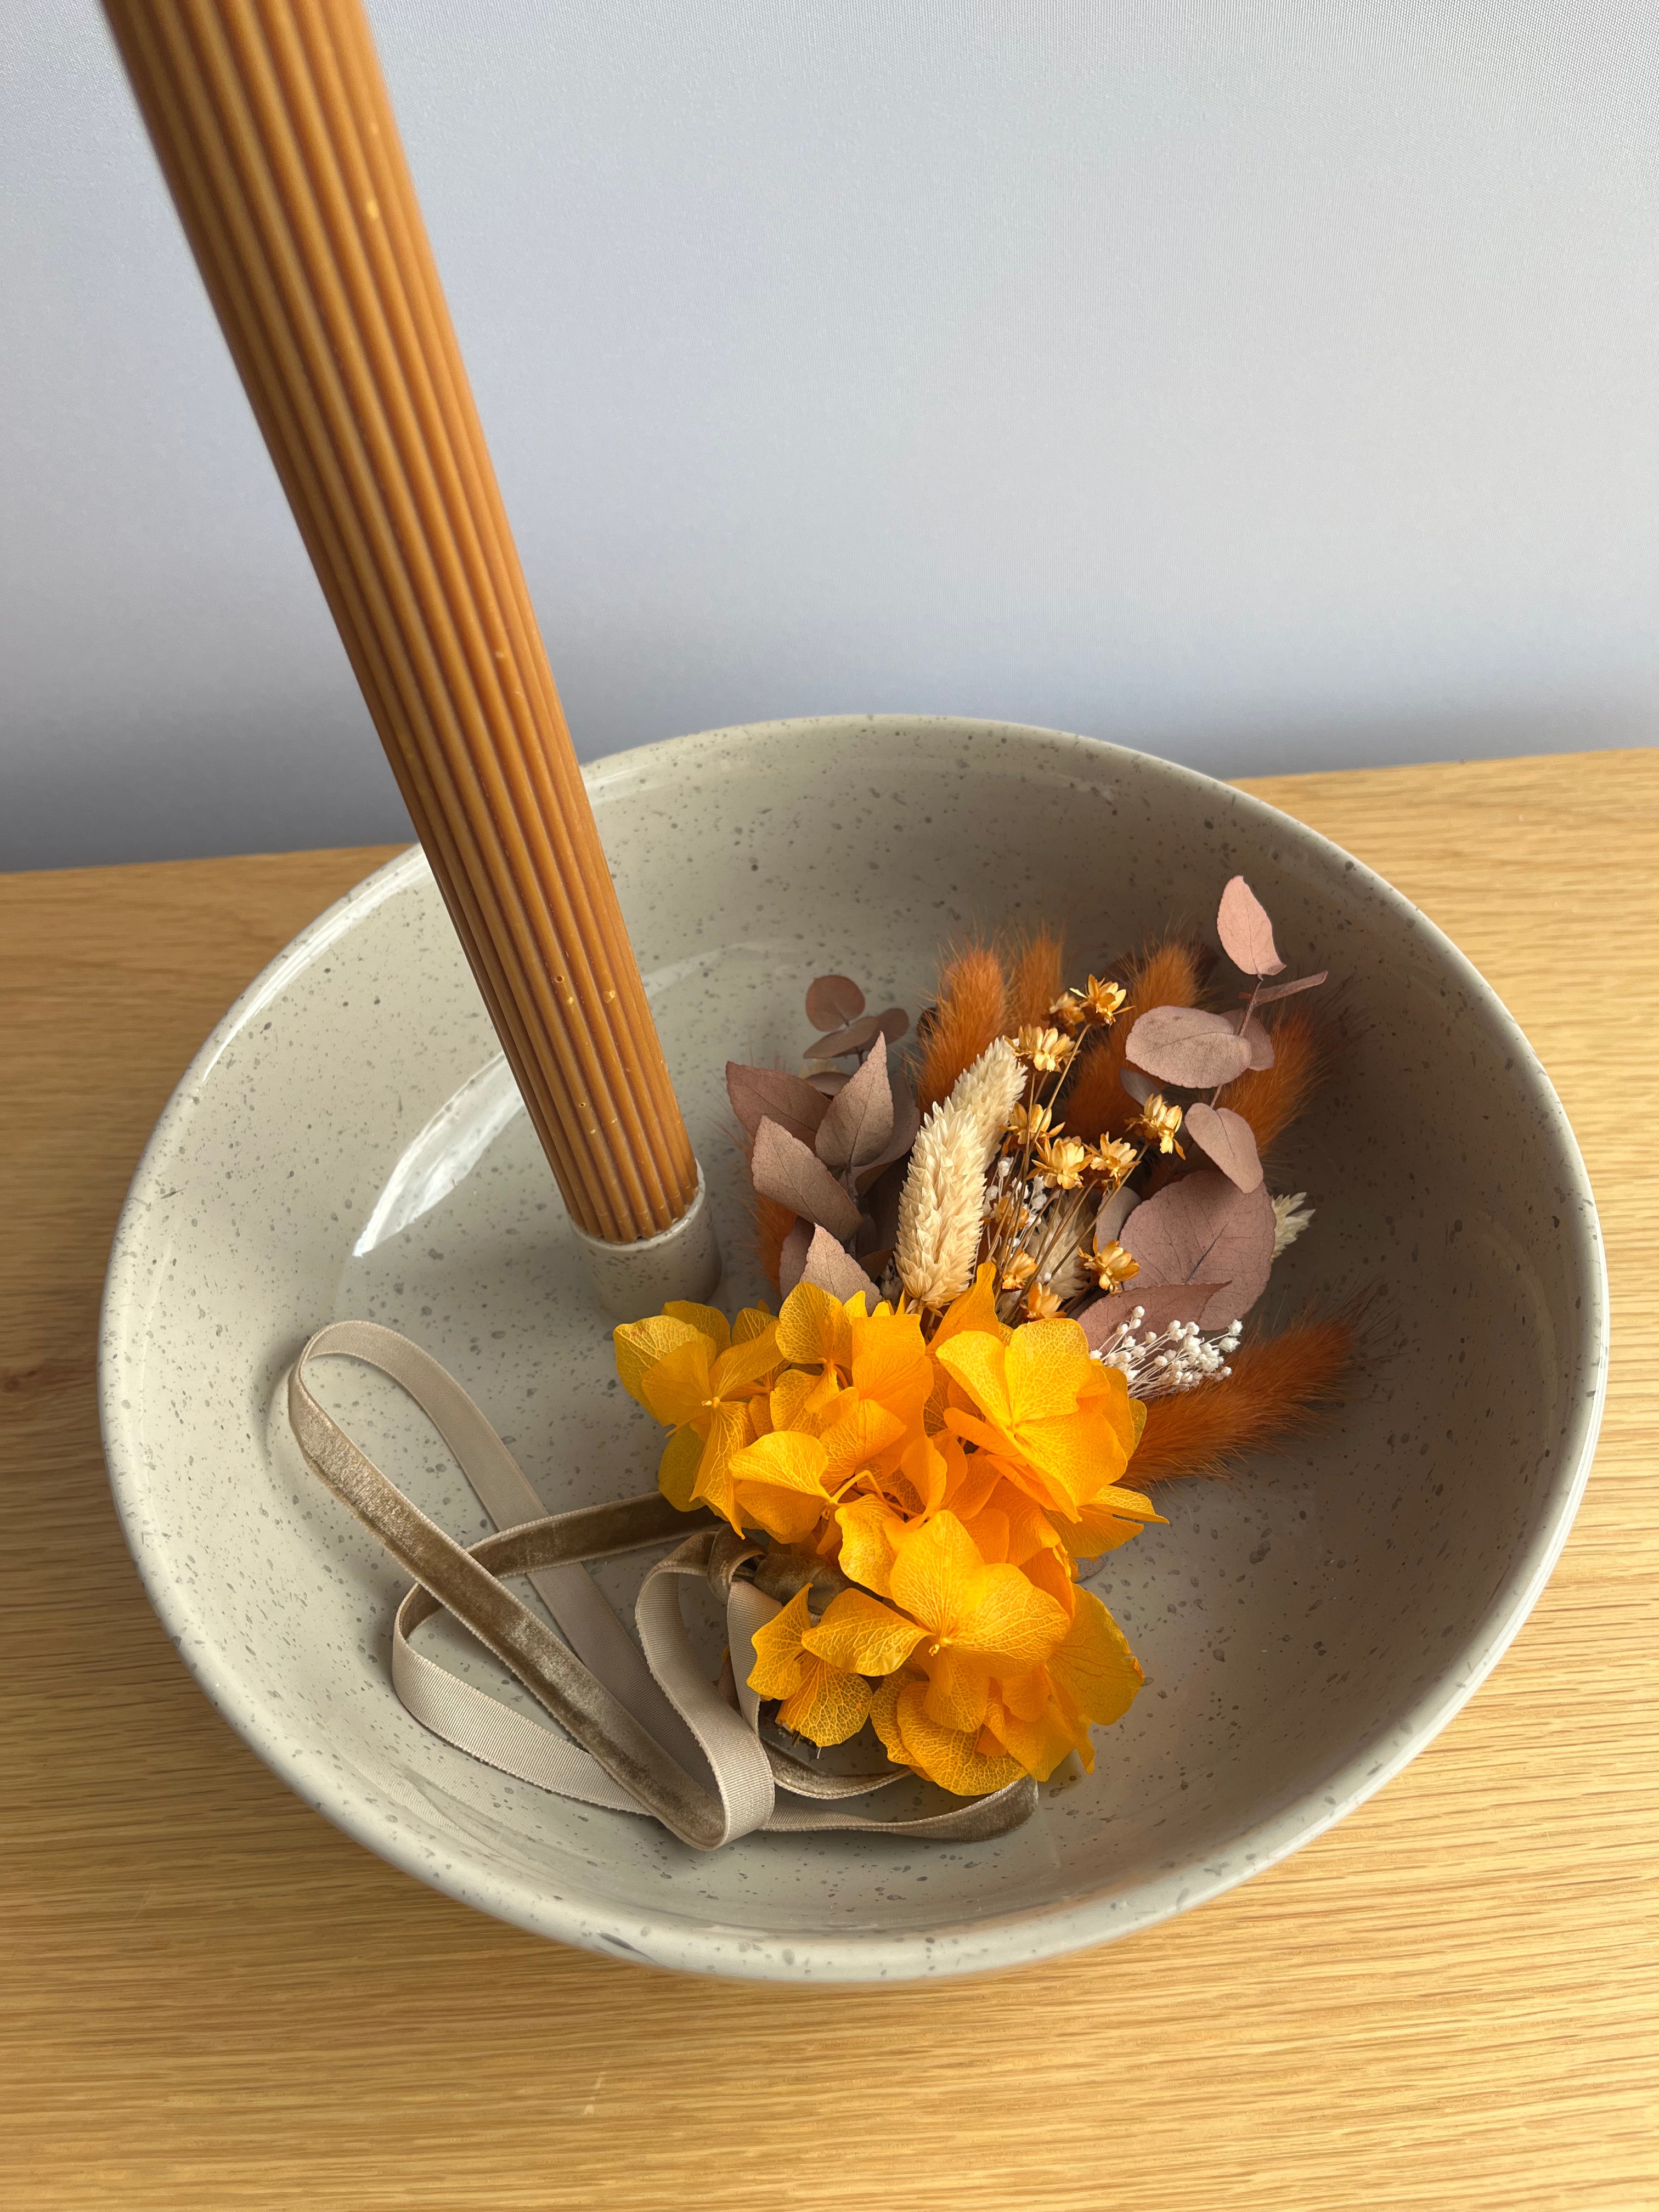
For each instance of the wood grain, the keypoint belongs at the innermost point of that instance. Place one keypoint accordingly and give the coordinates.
(1449, 2004)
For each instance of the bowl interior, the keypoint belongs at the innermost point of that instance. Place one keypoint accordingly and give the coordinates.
(348, 1142)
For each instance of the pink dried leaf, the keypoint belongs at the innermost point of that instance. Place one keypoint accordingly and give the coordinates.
(895, 1024)
(1139, 1087)
(836, 1271)
(859, 1119)
(1185, 1045)
(767, 1094)
(833, 1000)
(1228, 1139)
(827, 1081)
(852, 1038)
(792, 1259)
(1257, 1036)
(1161, 1303)
(1246, 933)
(1205, 1229)
(907, 1122)
(1289, 990)
(783, 1168)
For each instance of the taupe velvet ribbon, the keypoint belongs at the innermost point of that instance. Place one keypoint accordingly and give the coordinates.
(641, 1728)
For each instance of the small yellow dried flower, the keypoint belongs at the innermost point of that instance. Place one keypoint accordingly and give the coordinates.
(1027, 1123)
(1103, 1000)
(1041, 1305)
(1111, 1268)
(1018, 1272)
(1062, 1160)
(1069, 1011)
(1157, 1121)
(1114, 1159)
(1045, 1049)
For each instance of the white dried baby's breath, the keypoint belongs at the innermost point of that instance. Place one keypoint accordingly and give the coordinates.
(943, 1200)
(1288, 1222)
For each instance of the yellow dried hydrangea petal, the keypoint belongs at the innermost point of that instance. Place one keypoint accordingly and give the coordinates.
(744, 1363)
(958, 1690)
(813, 1327)
(884, 1717)
(870, 1531)
(1038, 1744)
(709, 1320)
(1044, 1366)
(677, 1387)
(677, 1470)
(638, 1345)
(1095, 1666)
(829, 1706)
(728, 1432)
(779, 1665)
(861, 1636)
(949, 1757)
(937, 1574)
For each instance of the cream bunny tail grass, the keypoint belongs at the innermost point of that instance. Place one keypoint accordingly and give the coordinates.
(943, 1202)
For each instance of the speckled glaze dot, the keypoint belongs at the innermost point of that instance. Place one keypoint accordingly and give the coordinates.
(348, 1143)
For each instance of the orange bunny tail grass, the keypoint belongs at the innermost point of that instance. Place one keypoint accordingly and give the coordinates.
(1279, 1385)
(1037, 979)
(972, 1009)
(1270, 1098)
(1094, 1103)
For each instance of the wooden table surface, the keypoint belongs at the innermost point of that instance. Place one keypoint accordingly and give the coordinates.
(209, 1998)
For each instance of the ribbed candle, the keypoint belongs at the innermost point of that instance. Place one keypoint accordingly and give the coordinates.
(274, 129)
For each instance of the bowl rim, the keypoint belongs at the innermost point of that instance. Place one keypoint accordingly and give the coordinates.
(679, 1940)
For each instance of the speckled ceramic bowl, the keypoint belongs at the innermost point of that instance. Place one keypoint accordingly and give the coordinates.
(348, 1143)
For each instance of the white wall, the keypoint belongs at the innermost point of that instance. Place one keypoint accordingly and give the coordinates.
(1274, 384)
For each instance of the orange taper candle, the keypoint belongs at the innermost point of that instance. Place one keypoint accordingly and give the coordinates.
(274, 128)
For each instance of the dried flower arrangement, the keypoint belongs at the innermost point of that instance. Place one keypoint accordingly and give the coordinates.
(1012, 1300)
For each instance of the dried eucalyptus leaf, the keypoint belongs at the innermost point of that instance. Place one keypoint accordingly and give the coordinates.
(767, 1094)
(1109, 1222)
(1229, 1140)
(783, 1168)
(1257, 1036)
(1289, 990)
(1204, 1228)
(833, 1000)
(1139, 1087)
(827, 1081)
(1185, 1045)
(907, 1121)
(836, 1271)
(852, 1038)
(792, 1259)
(895, 1024)
(1161, 1305)
(1246, 933)
(881, 1203)
(859, 1119)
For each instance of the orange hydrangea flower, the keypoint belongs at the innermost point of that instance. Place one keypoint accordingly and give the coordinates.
(955, 1480)
(1059, 1421)
(699, 1375)
(819, 1700)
